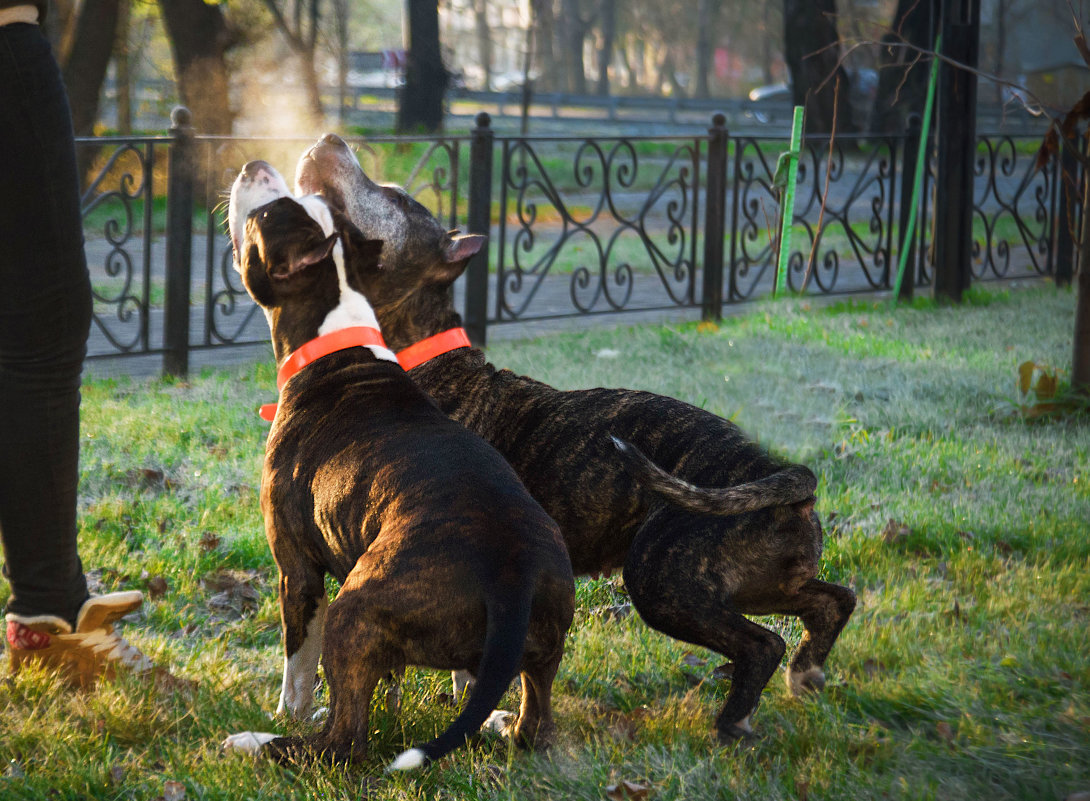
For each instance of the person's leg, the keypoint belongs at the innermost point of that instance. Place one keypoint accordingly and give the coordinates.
(45, 309)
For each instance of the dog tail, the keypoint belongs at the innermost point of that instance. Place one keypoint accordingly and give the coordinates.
(508, 622)
(792, 484)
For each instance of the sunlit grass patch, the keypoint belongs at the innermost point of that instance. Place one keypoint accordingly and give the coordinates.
(961, 526)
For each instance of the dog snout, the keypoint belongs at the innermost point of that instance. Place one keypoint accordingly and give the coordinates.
(333, 140)
(258, 172)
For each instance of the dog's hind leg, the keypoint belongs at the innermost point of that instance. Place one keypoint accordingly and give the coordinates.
(755, 651)
(704, 619)
(353, 668)
(303, 604)
(681, 585)
(534, 727)
(824, 610)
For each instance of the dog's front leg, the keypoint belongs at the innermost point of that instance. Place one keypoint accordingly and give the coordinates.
(462, 683)
(303, 610)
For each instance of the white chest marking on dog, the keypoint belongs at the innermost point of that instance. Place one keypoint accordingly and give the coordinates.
(297, 690)
(353, 309)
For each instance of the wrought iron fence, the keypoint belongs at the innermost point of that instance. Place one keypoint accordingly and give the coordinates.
(578, 226)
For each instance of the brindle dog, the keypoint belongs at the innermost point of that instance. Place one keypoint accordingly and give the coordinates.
(693, 567)
(444, 559)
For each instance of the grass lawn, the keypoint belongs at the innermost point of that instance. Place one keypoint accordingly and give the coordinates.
(962, 674)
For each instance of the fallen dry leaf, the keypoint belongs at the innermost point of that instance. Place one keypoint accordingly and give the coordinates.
(209, 541)
(895, 531)
(624, 726)
(145, 478)
(872, 668)
(689, 659)
(944, 730)
(627, 790)
(221, 580)
(173, 791)
(157, 587)
(235, 594)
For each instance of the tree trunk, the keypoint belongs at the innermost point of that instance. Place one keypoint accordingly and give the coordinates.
(310, 74)
(900, 94)
(60, 27)
(630, 81)
(124, 76)
(1001, 9)
(302, 36)
(812, 51)
(766, 45)
(340, 16)
(421, 99)
(605, 52)
(574, 34)
(199, 41)
(544, 27)
(85, 69)
(484, 40)
(705, 36)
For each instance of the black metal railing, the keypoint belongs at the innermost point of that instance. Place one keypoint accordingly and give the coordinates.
(578, 226)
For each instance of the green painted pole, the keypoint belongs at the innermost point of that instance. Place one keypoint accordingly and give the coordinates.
(921, 160)
(788, 206)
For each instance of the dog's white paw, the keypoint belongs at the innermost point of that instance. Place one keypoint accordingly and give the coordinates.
(248, 742)
(805, 682)
(498, 721)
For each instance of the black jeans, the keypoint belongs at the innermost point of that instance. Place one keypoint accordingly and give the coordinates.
(45, 313)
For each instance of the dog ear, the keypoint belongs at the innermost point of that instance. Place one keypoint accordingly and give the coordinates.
(360, 251)
(254, 275)
(303, 259)
(456, 255)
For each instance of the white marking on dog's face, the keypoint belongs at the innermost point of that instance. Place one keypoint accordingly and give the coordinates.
(353, 309)
(248, 742)
(297, 690)
(256, 184)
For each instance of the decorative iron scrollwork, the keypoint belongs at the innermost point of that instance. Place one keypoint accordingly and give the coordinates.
(612, 226)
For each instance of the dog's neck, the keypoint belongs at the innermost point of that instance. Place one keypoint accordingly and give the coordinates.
(424, 313)
(295, 325)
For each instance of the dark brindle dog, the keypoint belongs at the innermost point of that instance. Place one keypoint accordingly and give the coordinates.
(694, 562)
(443, 557)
